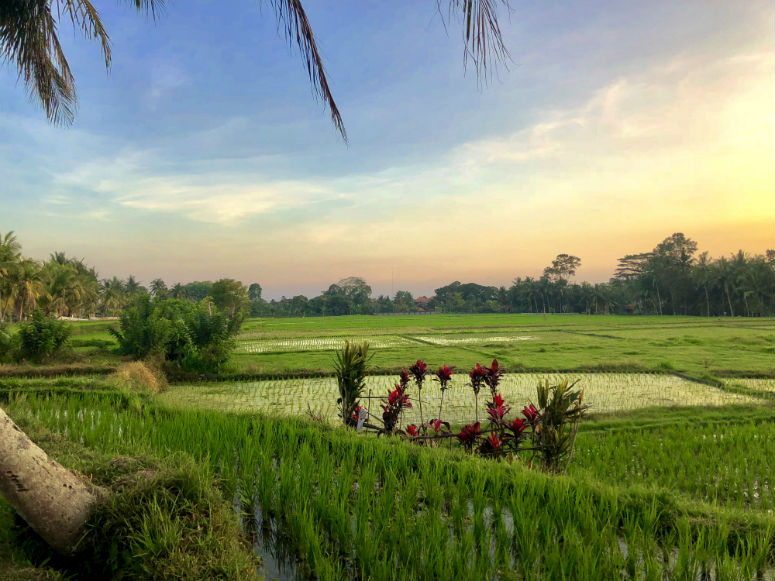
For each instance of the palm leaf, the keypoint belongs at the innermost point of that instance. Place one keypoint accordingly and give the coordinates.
(292, 19)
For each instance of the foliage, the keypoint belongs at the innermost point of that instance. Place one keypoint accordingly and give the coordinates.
(350, 370)
(561, 409)
(42, 337)
(6, 342)
(551, 427)
(230, 296)
(194, 337)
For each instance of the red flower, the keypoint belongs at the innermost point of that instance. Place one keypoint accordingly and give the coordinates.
(493, 375)
(477, 375)
(497, 408)
(398, 397)
(518, 426)
(411, 429)
(418, 370)
(530, 413)
(469, 434)
(357, 412)
(435, 424)
(403, 378)
(494, 441)
(443, 376)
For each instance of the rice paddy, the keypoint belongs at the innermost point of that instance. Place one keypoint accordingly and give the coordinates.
(604, 392)
(352, 507)
(672, 476)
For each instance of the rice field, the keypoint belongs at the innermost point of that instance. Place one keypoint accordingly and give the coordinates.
(315, 344)
(672, 478)
(324, 503)
(379, 341)
(756, 384)
(696, 346)
(604, 392)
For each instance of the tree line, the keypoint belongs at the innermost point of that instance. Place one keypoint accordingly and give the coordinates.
(670, 279)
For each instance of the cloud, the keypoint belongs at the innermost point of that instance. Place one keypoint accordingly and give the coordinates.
(220, 204)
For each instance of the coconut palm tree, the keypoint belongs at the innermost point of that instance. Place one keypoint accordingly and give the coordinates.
(29, 286)
(29, 39)
(10, 254)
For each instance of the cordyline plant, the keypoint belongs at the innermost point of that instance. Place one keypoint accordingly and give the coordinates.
(443, 375)
(350, 368)
(545, 433)
(489, 376)
(418, 370)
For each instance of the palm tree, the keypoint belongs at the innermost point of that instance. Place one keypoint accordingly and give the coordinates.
(29, 286)
(178, 291)
(158, 288)
(29, 38)
(10, 254)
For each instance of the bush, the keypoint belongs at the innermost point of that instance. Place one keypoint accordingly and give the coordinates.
(194, 337)
(42, 338)
(6, 342)
(350, 372)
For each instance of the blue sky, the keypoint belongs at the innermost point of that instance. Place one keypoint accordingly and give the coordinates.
(202, 153)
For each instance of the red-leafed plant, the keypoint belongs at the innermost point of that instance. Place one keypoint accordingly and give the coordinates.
(443, 375)
(545, 432)
(418, 370)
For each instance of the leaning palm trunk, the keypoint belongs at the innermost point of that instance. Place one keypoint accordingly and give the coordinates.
(54, 501)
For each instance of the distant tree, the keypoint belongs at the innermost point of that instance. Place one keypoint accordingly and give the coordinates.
(254, 292)
(159, 289)
(134, 288)
(403, 302)
(563, 267)
(384, 304)
(178, 291)
(357, 292)
(230, 296)
(197, 290)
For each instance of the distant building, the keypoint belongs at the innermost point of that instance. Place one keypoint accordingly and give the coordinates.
(422, 303)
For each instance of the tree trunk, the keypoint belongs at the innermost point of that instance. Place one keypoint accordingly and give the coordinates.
(54, 501)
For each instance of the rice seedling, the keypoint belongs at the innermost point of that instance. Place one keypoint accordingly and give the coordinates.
(604, 392)
(365, 507)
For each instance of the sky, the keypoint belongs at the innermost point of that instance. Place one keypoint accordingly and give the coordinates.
(202, 153)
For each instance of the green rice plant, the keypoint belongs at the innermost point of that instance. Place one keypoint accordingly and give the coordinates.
(357, 506)
(350, 371)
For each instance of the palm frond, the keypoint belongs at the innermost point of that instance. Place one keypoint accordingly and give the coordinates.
(295, 24)
(84, 16)
(481, 32)
(151, 7)
(28, 37)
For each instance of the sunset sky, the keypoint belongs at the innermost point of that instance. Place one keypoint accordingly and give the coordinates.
(202, 153)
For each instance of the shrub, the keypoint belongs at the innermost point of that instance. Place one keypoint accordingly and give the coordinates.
(6, 342)
(42, 337)
(194, 337)
(350, 371)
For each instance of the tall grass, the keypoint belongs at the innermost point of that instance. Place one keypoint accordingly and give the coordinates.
(375, 508)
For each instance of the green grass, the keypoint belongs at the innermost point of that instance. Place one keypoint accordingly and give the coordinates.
(693, 345)
(698, 346)
(355, 506)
